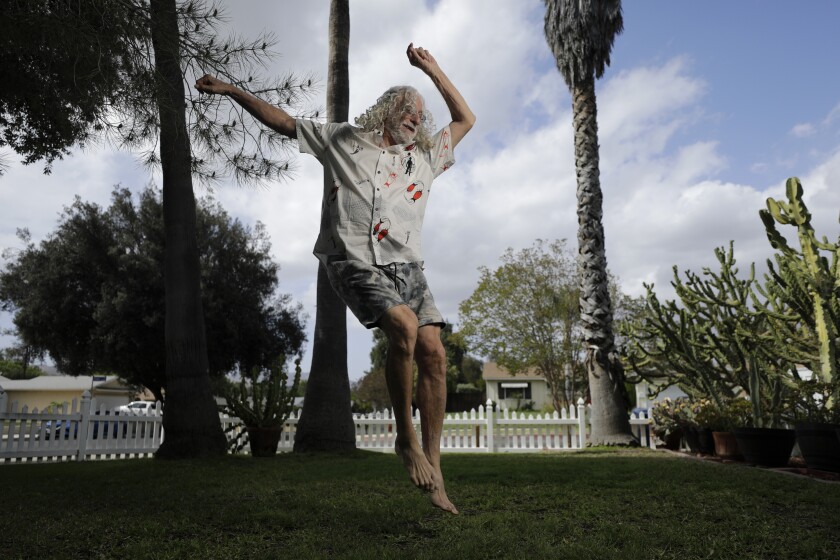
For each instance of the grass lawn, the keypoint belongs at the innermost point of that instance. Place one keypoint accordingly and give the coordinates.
(592, 504)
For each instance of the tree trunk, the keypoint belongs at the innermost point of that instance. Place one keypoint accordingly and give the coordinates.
(610, 422)
(326, 422)
(191, 419)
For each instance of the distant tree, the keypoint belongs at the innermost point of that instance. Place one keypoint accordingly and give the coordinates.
(92, 293)
(462, 369)
(371, 391)
(16, 360)
(11, 369)
(525, 315)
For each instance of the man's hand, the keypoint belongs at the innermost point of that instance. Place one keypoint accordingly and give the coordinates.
(212, 85)
(422, 59)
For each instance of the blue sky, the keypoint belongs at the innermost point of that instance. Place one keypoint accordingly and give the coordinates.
(707, 108)
(767, 66)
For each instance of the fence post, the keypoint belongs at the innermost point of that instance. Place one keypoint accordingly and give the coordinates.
(488, 412)
(642, 395)
(83, 426)
(581, 411)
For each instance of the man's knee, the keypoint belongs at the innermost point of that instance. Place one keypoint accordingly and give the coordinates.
(400, 325)
(430, 350)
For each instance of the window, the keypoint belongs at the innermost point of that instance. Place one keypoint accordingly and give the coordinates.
(509, 390)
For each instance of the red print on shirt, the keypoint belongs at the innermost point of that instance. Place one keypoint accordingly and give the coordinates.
(414, 192)
(380, 230)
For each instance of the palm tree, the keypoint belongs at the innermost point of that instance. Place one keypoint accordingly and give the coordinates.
(326, 422)
(191, 421)
(581, 34)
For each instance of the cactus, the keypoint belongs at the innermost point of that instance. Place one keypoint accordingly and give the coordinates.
(806, 283)
(715, 344)
(263, 399)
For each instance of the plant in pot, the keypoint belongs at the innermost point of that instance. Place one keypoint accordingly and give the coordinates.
(761, 436)
(263, 401)
(721, 421)
(817, 424)
(698, 435)
(804, 310)
(670, 419)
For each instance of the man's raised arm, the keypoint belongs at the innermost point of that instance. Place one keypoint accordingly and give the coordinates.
(273, 117)
(462, 118)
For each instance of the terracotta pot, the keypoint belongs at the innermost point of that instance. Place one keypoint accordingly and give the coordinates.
(768, 447)
(819, 445)
(726, 446)
(264, 440)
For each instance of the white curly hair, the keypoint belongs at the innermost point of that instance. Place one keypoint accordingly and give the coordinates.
(391, 105)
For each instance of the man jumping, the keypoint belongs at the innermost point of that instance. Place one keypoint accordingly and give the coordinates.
(377, 180)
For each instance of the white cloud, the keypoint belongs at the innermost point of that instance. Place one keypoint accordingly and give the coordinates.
(803, 129)
(832, 116)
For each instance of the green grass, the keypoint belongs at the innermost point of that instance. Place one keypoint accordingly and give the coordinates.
(592, 504)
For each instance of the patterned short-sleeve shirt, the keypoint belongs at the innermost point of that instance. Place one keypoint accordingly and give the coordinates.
(374, 197)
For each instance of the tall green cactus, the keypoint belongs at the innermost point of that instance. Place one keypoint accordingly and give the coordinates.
(806, 282)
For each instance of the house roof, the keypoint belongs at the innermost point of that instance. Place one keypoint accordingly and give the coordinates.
(60, 383)
(494, 372)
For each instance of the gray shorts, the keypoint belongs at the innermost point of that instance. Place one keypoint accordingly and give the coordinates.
(371, 290)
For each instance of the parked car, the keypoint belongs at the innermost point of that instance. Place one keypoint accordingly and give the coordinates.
(53, 428)
(136, 407)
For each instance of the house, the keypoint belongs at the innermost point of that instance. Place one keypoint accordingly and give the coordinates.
(43, 391)
(647, 395)
(514, 391)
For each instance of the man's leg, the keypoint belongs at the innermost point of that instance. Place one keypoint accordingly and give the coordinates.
(431, 400)
(400, 325)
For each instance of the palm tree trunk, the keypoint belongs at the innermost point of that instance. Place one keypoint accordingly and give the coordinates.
(326, 422)
(610, 422)
(191, 421)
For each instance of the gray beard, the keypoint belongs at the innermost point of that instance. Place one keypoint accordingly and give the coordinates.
(394, 128)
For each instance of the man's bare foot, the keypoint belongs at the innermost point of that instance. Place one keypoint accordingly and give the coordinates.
(420, 471)
(439, 498)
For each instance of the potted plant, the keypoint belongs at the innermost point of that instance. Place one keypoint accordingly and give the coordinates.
(721, 421)
(762, 438)
(698, 435)
(263, 401)
(670, 419)
(817, 425)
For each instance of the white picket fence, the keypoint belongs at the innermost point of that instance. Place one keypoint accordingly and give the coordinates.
(80, 432)
(89, 432)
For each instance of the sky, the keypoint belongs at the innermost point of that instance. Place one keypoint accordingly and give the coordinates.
(706, 109)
